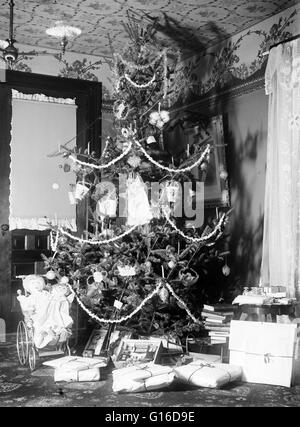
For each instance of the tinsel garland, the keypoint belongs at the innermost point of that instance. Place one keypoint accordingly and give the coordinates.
(218, 228)
(159, 286)
(111, 163)
(98, 242)
(171, 170)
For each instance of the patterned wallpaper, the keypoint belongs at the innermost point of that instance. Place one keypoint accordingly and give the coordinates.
(236, 58)
(203, 21)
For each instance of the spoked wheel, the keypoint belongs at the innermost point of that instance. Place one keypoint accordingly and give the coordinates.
(32, 358)
(22, 343)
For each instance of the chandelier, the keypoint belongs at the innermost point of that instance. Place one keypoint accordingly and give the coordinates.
(63, 32)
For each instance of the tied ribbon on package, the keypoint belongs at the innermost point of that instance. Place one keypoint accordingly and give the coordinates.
(267, 358)
(205, 365)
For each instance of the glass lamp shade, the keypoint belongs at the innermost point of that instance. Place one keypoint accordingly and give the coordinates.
(63, 31)
(3, 44)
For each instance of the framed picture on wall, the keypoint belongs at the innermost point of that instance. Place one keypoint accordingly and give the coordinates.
(214, 175)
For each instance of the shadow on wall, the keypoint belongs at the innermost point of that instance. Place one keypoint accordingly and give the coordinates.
(247, 195)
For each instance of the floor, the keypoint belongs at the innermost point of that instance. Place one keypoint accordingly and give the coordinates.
(21, 388)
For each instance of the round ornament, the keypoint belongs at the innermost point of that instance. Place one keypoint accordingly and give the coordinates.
(164, 295)
(226, 270)
(50, 275)
(55, 186)
(64, 280)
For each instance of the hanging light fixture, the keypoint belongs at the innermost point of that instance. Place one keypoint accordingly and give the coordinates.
(10, 53)
(63, 32)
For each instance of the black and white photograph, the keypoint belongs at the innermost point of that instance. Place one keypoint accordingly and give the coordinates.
(149, 206)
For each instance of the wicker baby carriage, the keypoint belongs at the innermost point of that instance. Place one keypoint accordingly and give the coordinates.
(28, 350)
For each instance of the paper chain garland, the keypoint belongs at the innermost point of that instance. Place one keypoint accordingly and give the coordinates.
(98, 242)
(141, 67)
(137, 309)
(140, 86)
(93, 166)
(154, 162)
(197, 239)
(171, 170)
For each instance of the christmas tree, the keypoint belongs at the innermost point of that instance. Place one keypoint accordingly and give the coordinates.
(141, 263)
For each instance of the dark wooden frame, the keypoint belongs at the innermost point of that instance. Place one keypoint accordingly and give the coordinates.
(88, 95)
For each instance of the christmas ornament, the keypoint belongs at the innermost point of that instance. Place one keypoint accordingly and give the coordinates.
(81, 190)
(171, 264)
(66, 168)
(134, 161)
(120, 110)
(63, 240)
(164, 295)
(226, 270)
(172, 191)
(151, 140)
(126, 271)
(50, 275)
(223, 174)
(188, 276)
(64, 280)
(118, 304)
(55, 186)
(98, 276)
(139, 211)
(204, 166)
(159, 118)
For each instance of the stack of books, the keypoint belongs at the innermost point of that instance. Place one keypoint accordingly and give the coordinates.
(217, 320)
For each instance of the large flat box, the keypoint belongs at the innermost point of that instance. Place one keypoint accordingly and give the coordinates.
(135, 352)
(265, 351)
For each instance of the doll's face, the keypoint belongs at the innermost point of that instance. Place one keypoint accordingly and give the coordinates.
(34, 283)
(60, 290)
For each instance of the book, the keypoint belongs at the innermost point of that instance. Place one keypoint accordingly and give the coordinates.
(220, 307)
(218, 321)
(221, 326)
(218, 334)
(218, 340)
(212, 315)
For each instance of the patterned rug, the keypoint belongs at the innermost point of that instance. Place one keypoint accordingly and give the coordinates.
(21, 388)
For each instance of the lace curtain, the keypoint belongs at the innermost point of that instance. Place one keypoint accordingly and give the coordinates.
(38, 184)
(281, 240)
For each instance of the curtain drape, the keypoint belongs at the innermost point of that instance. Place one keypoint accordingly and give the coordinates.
(281, 240)
(38, 184)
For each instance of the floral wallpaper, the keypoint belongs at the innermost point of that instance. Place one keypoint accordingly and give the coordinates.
(234, 61)
(102, 21)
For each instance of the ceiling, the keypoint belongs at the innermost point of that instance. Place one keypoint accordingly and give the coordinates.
(189, 24)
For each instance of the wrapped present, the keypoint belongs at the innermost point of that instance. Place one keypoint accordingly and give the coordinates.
(140, 373)
(87, 375)
(142, 378)
(76, 364)
(204, 374)
(265, 351)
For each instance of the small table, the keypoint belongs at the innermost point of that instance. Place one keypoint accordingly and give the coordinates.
(265, 313)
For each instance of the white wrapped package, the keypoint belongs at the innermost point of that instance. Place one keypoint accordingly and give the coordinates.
(251, 299)
(77, 376)
(123, 385)
(74, 363)
(212, 375)
(264, 350)
(142, 372)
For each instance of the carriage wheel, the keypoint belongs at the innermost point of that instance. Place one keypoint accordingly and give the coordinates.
(22, 343)
(32, 358)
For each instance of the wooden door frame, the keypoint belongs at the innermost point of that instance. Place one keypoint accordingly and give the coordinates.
(88, 95)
